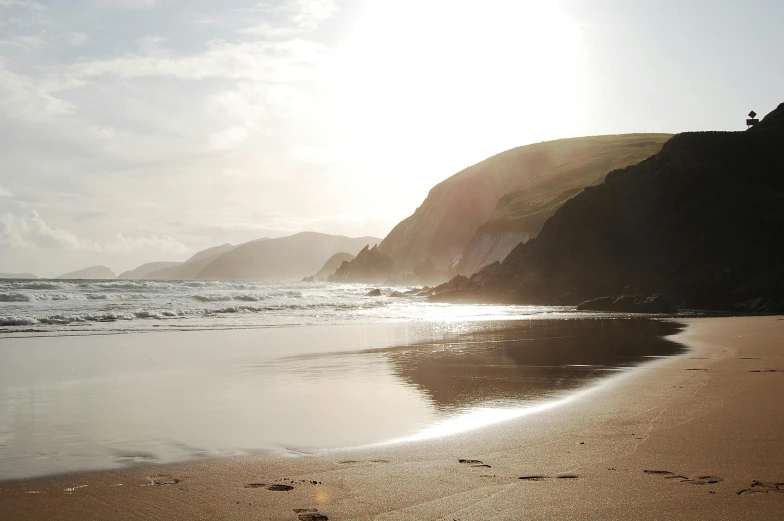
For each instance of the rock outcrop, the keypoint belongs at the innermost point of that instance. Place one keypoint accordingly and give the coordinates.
(699, 222)
(368, 267)
(329, 267)
(629, 304)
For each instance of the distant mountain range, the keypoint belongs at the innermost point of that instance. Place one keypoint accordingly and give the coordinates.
(93, 272)
(285, 258)
(144, 271)
(190, 269)
(281, 259)
(18, 276)
(700, 222)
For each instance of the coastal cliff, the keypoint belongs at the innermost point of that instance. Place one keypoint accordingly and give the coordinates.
(699, 222)
(480, 214)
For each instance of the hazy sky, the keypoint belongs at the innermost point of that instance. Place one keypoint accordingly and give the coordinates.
(143, 130)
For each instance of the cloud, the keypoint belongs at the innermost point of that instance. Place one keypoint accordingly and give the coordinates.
(277, 62)
(25, 98)
(27, 42)
(230, 139)
(25, 4)
(312, 13)
(136, 4)
(5, 192)
(31, 231)
(77, 39)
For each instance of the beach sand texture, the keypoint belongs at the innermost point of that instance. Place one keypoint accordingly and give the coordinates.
(697, 436)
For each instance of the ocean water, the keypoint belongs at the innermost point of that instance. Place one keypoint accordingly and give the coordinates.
(58, 307)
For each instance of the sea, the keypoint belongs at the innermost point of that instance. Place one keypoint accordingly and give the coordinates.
(83, 307)
(101, 374)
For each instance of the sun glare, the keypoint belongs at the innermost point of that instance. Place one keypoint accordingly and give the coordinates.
(465, 78)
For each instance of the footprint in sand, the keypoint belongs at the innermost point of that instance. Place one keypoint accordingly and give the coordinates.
(759, 487)
(163, 480)
(540, 477)
(475, 463)
(274, 487)
(700, 480)
(309, 514)
(353, 462)
(280, 488)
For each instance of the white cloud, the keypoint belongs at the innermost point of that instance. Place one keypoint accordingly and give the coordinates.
(26, 4)
(312, 13)
(5, 192)
(26, 42)
(25, 98)
(277, 62)
(230, 139)
(77, 39)
(135, 4)
(31, 231)
(152, 43)
(267, 30)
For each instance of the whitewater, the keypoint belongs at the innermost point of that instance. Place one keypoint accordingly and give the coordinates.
(61, 307)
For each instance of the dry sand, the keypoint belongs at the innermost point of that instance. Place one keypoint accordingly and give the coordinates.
(698, 436)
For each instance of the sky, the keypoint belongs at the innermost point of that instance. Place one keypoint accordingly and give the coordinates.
(134, 131)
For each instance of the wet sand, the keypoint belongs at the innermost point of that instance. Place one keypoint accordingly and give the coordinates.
(72, 404)
(697, 436)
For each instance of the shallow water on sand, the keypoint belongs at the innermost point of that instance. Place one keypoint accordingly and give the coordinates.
(95, 402)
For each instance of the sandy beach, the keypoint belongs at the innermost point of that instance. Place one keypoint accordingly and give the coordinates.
(695, 436)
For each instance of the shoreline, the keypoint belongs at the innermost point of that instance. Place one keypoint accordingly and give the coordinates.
(686, 419)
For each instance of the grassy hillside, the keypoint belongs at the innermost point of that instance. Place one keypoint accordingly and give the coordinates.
(513, 191)
(521, 213)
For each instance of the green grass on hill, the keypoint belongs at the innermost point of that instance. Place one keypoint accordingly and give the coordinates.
(526, 208)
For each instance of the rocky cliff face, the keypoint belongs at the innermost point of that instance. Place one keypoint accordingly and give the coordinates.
(369, 266)
(478, 215)
(700, 222)
(329, 268)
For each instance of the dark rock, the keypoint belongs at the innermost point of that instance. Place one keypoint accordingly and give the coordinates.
(629, 304)
(373, 293)
(396, 294)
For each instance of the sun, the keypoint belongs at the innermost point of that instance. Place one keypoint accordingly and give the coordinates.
(440, 84)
